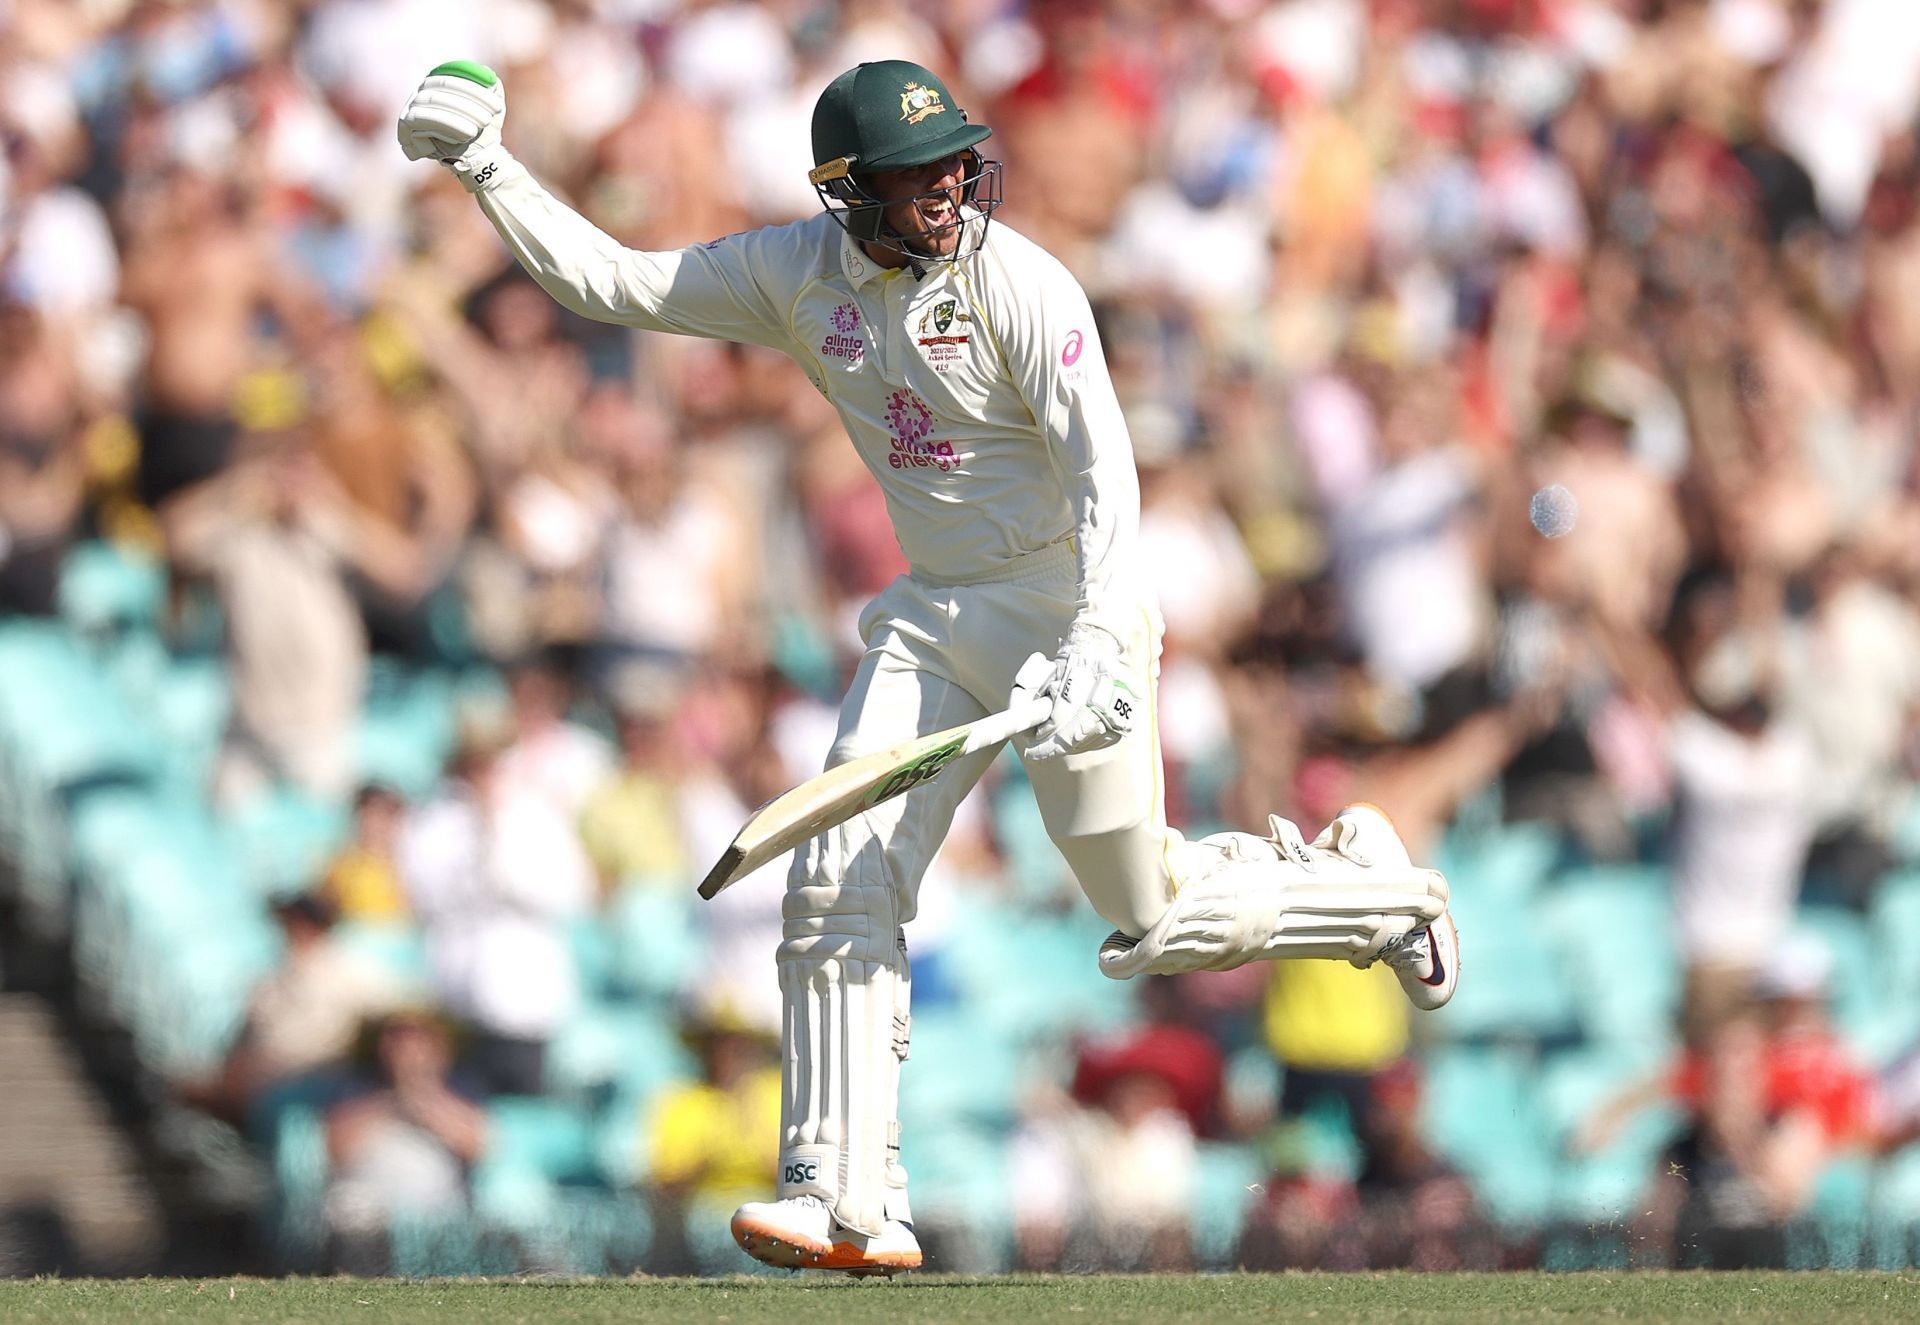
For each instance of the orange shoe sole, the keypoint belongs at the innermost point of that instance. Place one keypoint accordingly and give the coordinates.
(776, 1247)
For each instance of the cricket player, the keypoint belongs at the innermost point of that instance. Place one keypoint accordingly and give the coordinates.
(966, 366)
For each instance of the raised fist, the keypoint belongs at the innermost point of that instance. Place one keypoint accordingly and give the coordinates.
(454, 118)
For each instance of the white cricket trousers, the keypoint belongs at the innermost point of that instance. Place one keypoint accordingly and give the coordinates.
(938, 655)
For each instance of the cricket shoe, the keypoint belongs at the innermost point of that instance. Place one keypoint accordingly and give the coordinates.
(1427, 961)
(800, 1233)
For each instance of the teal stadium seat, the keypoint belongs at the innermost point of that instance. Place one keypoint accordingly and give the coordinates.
(284, 838)
(1507, 863)
(397, 949)
(104, 586)
(600, 1232)
(1497, 871)
(438, 1245)
(1035, 870)
(1517, 988)
(958, 1072)
(1894, 922)
(1483, 1114)
(1856, 1000)
(406, 728)
(514, 1197)
(619, 1138)
(63, 729)
(1572, 1088)
(546, 1136)
(1609, 928)
(1040, 976)
(961, 1182)
(1227, 1179)
(196, 995)
(1895, 1212)
(1836, 1231)
(299, 1147)
(189, 710)
(592, 948)
(626, 1046)
(655, 941)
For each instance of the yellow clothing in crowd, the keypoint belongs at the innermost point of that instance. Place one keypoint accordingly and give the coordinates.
(718, 1141)
(1327, 1016)
(631, 830)
(363, 886)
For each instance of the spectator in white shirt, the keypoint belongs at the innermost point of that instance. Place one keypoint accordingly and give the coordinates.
(555, 760)
(497, 875)
(1744, 778)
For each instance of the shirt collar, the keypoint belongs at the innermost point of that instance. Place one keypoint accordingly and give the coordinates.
(859, 268)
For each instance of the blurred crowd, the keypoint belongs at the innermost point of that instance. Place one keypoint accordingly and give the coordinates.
(1525, 395)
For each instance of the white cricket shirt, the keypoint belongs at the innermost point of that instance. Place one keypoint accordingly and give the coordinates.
(977, 394)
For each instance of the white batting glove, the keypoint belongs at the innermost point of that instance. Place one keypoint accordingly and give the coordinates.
(1095, 700)
(455, 118)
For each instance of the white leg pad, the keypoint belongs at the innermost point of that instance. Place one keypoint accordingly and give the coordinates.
(1249, 898)
(842, 979)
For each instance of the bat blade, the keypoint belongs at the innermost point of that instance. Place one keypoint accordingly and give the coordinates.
(840, 793)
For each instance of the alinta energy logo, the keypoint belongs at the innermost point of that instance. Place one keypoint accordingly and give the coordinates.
(841, 343)
(909, 419)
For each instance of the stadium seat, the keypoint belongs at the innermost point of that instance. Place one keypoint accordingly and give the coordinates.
(628, 1046)
(599, 1232)
(1482, 1113)
(960, 1177)
(1226, 1180)
(655, 941)
(189, 710)
(284, 838)
(397, 949)
(592, 949)
(1253, 1081)
(1836, 1230)
(105, 586)
(1517, 987)
(1035, 871)
(619, 1138)
(1041, 973)
(1505, 863)
(1894, 922)
(1895, 1211)
(543, 1135)
(1625, 992)
(404, 749)
(1574, 1086)
(512, 1196)
(957, 1072)
(299, 1148)
(1854, 997)
(428, 1245)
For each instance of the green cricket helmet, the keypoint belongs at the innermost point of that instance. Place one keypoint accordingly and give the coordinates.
(893, 115)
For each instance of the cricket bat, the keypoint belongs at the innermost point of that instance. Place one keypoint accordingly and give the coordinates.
(838, 794)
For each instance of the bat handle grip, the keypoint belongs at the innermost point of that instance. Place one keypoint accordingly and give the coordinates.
(1022, 717)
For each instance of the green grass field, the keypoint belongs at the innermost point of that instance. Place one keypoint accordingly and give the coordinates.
(1378, 1299)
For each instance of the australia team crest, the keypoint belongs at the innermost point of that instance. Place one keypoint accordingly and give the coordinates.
(936, 337)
